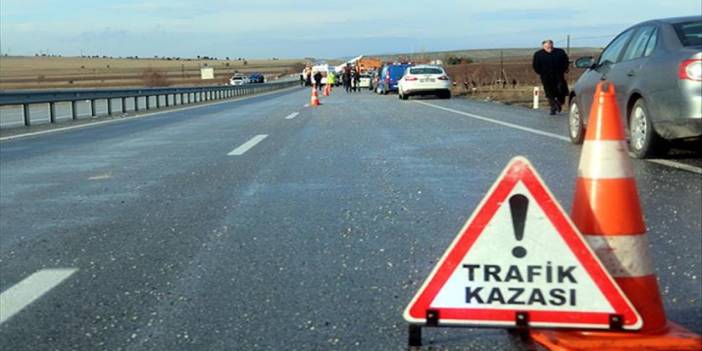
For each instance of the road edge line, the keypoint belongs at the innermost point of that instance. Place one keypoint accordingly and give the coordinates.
(662, 162)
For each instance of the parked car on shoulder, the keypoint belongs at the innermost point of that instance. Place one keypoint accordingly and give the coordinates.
(375, 78)
(656, 69)
(389, 77)
(424, 80)
(365, 81)
(256, 78)
(238, 79)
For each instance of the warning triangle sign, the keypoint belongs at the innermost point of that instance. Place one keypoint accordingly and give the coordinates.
(520, 261)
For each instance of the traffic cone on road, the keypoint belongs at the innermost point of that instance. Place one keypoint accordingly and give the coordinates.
(314, 100)
(607, 211)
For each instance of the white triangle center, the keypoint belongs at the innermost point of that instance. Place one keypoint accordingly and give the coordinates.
(548, 278)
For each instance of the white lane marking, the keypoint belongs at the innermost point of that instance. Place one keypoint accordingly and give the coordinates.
(676, 165)
(506, 124)
(306, 105)
(668, 163)
(31, 288)
(292, 115)
(129, 118)
(247, 145)
(103, 176)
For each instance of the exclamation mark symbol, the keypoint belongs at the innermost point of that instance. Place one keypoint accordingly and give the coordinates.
(518, 205)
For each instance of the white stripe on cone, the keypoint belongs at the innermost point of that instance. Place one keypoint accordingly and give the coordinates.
(603, 159)
(624, 256)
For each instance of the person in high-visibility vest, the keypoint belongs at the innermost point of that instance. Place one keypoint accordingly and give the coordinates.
(331, 80)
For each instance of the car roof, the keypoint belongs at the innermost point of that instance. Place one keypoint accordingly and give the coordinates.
(674, 20)
(427, 66)
(400, 65)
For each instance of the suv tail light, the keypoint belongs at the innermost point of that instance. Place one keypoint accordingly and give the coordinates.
(443, 78)
(691, 69)
(410, 78)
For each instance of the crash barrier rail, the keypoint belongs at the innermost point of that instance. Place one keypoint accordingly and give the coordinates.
(25, 108)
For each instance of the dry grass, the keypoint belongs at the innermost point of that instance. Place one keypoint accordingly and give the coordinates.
(76, 72)
(482, 80)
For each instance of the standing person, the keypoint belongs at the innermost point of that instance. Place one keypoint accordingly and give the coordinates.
(318, 80)
(308, 76)
(346, 78)
(302, 79)
(551, 64)
(356, 79)
(331, 80)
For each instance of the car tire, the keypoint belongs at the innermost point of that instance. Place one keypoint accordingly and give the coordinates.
(576, 126)
(644, 142)
(446, 95)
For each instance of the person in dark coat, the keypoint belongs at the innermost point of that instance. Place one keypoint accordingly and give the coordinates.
(551, 64)
(346, 77)
(308, 76)
(318, 80)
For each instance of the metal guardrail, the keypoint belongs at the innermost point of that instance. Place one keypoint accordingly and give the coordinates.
(38, 107)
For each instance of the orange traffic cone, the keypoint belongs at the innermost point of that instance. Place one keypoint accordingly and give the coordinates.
(607, 211)
(314, 100)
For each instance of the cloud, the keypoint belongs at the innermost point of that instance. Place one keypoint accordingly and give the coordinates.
(329, 28)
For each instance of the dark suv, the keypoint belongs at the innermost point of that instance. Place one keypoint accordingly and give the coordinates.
(389, 76)
(256, 78)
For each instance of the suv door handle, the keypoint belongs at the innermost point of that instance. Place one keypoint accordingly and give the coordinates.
(631, 73)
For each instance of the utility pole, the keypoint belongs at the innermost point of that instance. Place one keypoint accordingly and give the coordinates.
(502, 69)
(568, 44)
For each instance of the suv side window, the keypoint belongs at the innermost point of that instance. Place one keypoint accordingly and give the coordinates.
(613, 51)
(637, 46)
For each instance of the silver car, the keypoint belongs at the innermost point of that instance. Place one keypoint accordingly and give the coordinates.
(656, 67)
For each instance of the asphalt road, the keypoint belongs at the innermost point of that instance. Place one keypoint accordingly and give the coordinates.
(244, 226)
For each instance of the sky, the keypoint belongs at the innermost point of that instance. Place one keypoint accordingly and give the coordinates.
(321, 29)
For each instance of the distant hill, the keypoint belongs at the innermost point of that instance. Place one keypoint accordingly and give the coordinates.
(481, 54)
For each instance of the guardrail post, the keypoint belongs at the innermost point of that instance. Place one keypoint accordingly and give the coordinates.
(52, 112)
(136, 103)
(109, 106)
(25, 112)
(158, 101)
(74, 109)
(124, 105)
(92, 108)
(148, 103)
